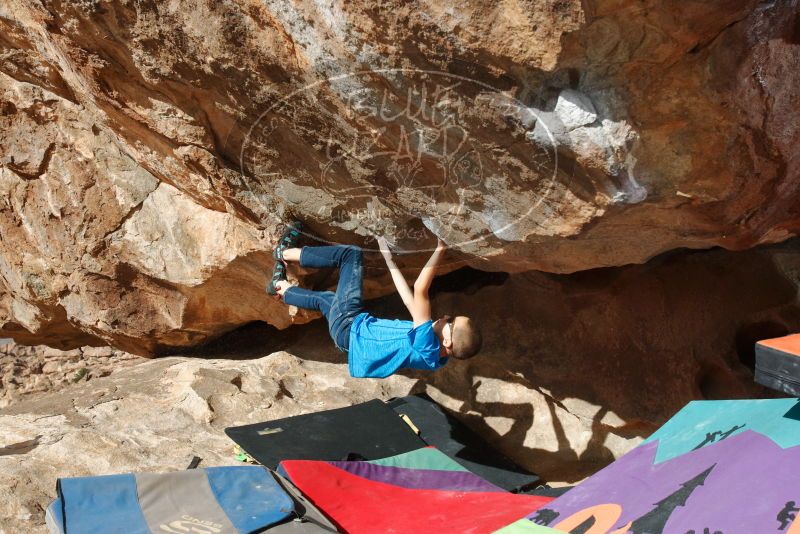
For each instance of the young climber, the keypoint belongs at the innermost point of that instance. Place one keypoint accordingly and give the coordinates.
(376, 347)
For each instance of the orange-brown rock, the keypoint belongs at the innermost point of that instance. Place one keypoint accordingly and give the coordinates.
(150, 149)
(572, 376)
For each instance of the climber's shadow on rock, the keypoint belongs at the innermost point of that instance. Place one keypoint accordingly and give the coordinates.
(575, 369)
(309, 341)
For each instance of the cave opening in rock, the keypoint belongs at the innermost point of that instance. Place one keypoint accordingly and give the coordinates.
(749, 334)
(467, 280)
(258, 337)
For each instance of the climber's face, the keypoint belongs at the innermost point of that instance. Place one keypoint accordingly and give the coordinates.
(444, 327)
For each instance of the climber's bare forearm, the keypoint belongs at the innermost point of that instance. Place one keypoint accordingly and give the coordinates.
(400, 283)
(428, 272)
(397, 276)
(417, 302)
(421, 309)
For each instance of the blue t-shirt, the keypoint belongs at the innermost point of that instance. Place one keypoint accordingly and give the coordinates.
(379, 347)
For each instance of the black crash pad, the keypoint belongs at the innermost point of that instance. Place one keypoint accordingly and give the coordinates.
(446, 433)
(370, 430)
(308, 518)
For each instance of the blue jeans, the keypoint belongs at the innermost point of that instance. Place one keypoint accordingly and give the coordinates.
(341, 307)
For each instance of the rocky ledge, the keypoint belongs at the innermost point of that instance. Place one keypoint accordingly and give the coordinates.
(150, 150)
(572, 377)
(156, 416)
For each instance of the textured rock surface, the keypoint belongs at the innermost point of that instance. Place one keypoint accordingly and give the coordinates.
(578, 367)
(574, 375)
(154, 417)
(149, 148)
(30, 371)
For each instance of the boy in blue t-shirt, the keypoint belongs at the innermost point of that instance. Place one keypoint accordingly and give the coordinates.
(376, 347)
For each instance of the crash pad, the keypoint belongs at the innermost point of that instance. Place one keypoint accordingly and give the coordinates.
(408, 476)
(526, 526)
(729, 467)
(425, 458)
(308, 518)
(359, 505)
(223, 500)
(449, 435)
(370, 430)
(778, 364)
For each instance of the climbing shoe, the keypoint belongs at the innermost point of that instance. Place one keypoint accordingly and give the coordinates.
(278, 274)
(289, 239)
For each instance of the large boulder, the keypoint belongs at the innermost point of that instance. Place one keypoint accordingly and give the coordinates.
(572, 376)
(150, 150)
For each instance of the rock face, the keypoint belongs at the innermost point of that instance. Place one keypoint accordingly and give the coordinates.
(155, 417)
(149, 150)
(578, 368)
(30, 371)
(574, 375)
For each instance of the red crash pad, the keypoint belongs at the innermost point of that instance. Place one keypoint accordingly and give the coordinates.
(359, 505)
